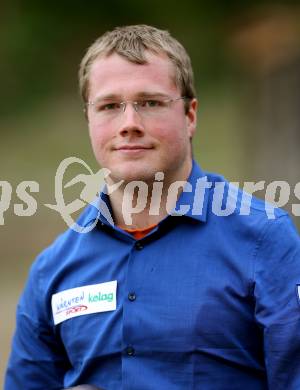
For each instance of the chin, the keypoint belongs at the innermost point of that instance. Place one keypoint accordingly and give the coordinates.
(132, 174)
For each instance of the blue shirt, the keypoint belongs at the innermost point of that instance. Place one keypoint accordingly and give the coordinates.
(203, 302)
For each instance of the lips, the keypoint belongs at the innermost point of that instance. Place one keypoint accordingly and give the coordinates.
(132, 147)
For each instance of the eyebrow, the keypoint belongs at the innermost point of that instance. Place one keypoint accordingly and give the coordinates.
(139, 95)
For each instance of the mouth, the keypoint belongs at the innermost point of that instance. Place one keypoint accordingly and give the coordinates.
(132, 148)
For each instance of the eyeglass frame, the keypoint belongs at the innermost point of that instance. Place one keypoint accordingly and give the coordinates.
(136, 104)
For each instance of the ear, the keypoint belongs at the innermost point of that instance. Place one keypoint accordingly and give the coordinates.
(85, 111)
(191, 117)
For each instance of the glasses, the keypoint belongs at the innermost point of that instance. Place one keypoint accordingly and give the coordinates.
(105, 110)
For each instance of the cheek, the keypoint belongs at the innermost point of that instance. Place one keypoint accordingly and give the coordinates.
(174, 136)
(98, 138)
(99, 145)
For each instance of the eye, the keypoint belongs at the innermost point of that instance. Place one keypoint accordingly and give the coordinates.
(107, 107)
(151, 103)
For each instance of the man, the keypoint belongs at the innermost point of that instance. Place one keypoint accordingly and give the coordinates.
(175, 293)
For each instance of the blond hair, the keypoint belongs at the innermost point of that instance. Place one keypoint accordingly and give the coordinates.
(131, 42)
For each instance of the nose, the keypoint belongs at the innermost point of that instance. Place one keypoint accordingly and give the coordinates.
(131, 123)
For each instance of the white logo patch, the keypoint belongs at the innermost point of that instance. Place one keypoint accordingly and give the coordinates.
(83, 300)
(298, 291)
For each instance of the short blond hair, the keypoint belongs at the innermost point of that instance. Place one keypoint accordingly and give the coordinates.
(131, 42)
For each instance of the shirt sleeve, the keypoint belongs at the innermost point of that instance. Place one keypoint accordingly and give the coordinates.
(277, 276)
(38, 359)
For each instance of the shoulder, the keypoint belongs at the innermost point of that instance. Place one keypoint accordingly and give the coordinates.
(239, 211)
(67, 245)
(237, 198)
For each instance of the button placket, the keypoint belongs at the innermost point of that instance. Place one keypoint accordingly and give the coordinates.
(130, 351)
(130, 308)
(138, 245)
(132, 296)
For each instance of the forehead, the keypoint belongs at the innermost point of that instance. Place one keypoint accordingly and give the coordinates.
(117, 75)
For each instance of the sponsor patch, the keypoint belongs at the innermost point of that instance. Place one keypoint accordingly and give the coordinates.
(95, 298)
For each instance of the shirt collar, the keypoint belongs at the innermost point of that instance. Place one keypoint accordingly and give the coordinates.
(100, 209)
(192, 202)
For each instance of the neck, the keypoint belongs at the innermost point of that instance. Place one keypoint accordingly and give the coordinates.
(138, 207)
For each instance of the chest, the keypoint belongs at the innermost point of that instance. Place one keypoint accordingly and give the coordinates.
(171, 295)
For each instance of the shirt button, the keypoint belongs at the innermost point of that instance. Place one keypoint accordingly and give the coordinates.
(132, 297)
(130, 351)
(138, 246)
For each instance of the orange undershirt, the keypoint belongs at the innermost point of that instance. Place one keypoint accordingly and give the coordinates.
(138, 234)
